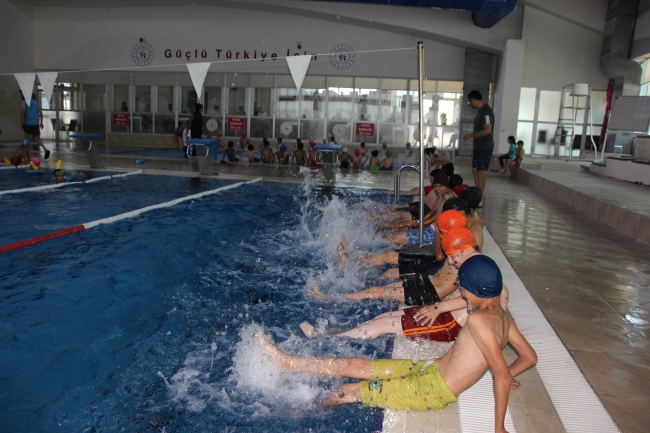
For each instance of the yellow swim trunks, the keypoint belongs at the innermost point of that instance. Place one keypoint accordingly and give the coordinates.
(402, 384)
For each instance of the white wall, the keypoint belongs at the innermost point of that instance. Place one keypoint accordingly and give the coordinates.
(507, 93)
(100, 38)
(559, 52)
(17, 41)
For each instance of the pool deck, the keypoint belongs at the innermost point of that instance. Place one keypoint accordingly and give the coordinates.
(588, 275)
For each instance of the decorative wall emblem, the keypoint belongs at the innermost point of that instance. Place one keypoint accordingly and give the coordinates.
(342, 56)
(142, 53)
(212, 125)
(339, 130)
(286, 128)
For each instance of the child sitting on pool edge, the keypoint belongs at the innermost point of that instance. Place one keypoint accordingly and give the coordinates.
(21, 155)
(230, 153)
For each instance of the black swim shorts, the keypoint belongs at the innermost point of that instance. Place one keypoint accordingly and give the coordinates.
(418, 290)
(414, 209)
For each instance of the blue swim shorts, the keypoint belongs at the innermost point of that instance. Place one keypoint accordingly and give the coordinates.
(413, 236)
(481, 159)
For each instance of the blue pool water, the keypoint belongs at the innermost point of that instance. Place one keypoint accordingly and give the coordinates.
(90, 319)
(55, 209)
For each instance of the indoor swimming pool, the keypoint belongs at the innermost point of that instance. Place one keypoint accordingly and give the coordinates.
(147, 323)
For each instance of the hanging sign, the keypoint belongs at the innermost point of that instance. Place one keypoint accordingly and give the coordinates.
(236, 123)
(286, 128)
(120, 119)
(365, 129)
(212, 125)
(338, 130)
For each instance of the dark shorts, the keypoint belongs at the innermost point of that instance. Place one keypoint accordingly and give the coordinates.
(481, 159)
(428, 267)
(444, 328)
(418, 290)
(414, 209)
(32, 130)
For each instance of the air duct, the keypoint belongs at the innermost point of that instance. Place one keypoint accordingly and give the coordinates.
(617, 40)
(486, 13)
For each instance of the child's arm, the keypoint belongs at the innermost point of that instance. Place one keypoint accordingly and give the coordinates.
(427, 315)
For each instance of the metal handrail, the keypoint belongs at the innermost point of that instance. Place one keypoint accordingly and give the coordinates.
(396, 179)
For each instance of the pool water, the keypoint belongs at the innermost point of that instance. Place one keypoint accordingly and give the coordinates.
(56, 209)
(113, 329)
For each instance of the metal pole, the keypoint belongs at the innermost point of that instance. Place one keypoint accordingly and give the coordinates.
(421, 134)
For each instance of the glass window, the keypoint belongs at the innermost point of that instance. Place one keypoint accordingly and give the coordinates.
(120, 115)
(527, 99)
(339, 105)
(236, 103)
(142, 119)
(549, 106)
(165, 113)
(343, 130)
(393, 106)
(525, 134)
(94, 115)
(262, 102)
(313, 111)
(262, 120)
(366, 107)
(287, 104)
(395, 134)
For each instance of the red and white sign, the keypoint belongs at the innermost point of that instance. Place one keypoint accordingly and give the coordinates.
(365, 129)
(236, 123)
(120, 119)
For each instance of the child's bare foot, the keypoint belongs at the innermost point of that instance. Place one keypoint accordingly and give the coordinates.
(313, 292)
(280, 359)
(308, 329)
(342, 255)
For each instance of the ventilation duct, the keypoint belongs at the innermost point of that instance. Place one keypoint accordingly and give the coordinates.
(485, 13)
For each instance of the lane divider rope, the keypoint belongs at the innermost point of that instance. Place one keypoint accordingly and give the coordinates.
(110, 220)
(60, 185)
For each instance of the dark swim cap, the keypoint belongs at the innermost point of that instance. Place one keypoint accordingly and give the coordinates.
(472, 195)
(441, 179)
(481, 276)
(455, 203)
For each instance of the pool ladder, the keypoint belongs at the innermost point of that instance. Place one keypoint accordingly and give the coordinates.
(396, 179)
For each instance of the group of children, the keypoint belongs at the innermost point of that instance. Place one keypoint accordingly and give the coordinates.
(452, 292)
(22, 157)
(514, 157)
(380, 159)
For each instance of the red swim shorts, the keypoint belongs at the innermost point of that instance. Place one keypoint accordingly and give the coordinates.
(444, 328)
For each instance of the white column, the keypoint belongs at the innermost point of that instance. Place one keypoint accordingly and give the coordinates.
(507, 91)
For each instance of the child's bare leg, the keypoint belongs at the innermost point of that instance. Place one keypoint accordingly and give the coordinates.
(398, 238)
(389, 274)
(391, 291)
(389, 258)
(347, 393)
(354, 368)
(387, 323)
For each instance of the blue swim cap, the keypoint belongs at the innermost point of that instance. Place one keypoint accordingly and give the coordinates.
(383, 143)
(283, 147)
(24, 142)
(481, 276)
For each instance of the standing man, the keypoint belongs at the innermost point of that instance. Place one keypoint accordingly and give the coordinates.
(483, 136)
(31, 117)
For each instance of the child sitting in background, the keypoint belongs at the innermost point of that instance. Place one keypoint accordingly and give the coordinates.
(373, 162)
(517, 161)
(388, 162)
(21, 154)
(345, 159)
(230, 153)
(250, 154)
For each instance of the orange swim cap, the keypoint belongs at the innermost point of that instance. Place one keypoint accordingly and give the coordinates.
(457, 239)
(449, 219)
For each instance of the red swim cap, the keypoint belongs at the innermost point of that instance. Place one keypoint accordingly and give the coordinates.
(457, 239)
(458, 189)
(357, 151)
(449, 219)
